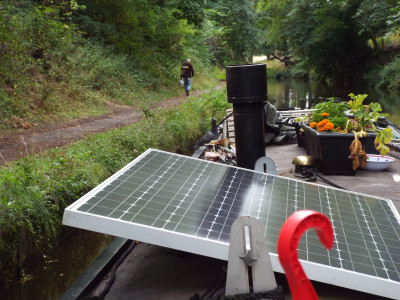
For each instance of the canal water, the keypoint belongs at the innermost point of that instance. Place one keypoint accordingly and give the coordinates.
(48, 276)
(290, 93)
(51, 275)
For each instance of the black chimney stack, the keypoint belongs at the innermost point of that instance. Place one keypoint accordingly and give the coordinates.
(247, 91)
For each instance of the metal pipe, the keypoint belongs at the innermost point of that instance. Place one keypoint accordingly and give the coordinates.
(247, 91)
(226, 149)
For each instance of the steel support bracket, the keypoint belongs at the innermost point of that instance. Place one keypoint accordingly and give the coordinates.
(249, 264)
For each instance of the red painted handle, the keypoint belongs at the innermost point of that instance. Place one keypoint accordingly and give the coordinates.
(288, 241)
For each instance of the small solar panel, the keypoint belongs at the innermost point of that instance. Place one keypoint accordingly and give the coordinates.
(190, 204)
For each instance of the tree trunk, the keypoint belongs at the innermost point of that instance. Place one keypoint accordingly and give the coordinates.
(286, 59)
(375, 42)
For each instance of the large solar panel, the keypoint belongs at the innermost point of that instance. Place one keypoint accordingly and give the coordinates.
(190, 204)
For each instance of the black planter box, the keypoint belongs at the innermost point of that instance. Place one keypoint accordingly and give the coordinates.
(331, 150)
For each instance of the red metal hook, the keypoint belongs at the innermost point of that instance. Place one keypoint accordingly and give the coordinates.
(288, 241)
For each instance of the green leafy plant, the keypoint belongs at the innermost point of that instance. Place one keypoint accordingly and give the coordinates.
(365, 117)
(333, 111)
(330, 116)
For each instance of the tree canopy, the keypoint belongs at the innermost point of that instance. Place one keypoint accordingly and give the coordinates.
(160, 29)
(331, 37)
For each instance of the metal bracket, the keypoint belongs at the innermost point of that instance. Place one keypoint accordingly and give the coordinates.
(249, 264)
(266, 165)
(248, 259)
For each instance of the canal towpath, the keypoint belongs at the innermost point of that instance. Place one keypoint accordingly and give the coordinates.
(24, 142)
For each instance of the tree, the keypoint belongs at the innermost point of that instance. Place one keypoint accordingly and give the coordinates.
(152, 32)
(322, 33)
(193, 11)
(272, 16)
(372, 17)
(239, 36)
(394, 16)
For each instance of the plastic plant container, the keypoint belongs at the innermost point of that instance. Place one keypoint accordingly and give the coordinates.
(331, 149)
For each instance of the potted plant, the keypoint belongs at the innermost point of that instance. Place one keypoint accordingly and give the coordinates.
(339, 135)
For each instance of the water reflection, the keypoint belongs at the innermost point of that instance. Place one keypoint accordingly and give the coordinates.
(52, 274)
(291, 93)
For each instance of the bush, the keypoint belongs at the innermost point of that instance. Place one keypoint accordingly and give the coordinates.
(300, 70)
(34, 46)
(389, 76)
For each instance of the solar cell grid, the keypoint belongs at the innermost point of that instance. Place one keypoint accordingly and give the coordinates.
(184, 196)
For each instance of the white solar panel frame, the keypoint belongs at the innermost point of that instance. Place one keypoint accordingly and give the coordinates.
(217, 249)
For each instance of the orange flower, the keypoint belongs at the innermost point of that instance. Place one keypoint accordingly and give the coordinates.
(322, 123)
(321, 129)
(324, 114)
(329, 126)
(312, 124)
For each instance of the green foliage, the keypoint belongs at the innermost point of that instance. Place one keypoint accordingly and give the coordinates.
(49, 72)
(193, 11)
(69, 58)
(330, 36)
(394, 17)
(365, 116)
(383, 137)
(34, 44)
(336, 111)
(238, 36)
(219, 73)
(153, 33)
(34, 191)
(328, 39)
(389, 76)
(372, 17)
(300, 70)
(32, 39)
(271, 17)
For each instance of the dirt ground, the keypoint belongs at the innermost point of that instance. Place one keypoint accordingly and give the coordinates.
(36, 139)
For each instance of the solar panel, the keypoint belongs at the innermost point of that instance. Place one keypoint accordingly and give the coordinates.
(190, 204)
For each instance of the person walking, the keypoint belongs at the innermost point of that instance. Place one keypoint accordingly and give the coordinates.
(187, 72)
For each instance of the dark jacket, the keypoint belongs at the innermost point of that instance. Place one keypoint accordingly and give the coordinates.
(187, 70)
